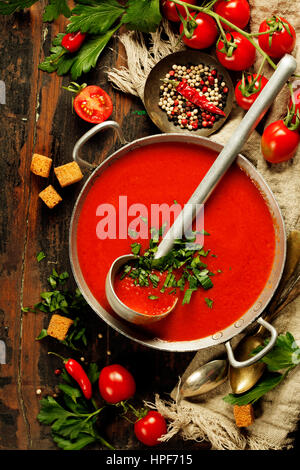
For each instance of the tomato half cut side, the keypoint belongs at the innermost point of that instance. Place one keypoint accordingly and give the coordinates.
(93, 104)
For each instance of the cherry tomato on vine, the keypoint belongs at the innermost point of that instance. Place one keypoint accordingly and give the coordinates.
(248, 88)
(73, 41)
(116, 384)
(279, 143)
(235, 11)
(205, 33)
(150, 428)
(169, 9)
(281, 41)
(241, 57)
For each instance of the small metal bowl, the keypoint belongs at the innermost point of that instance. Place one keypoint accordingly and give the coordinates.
(153, 83)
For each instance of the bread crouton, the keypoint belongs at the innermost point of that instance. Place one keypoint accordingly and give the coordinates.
(40, 165)
(59, 326)
(67, 174)
(50, 196)
(244, 415)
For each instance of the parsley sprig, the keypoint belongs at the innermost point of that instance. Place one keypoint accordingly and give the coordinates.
(72, 418)
(185, 259)
(53, 10)
(59, 299)
(100, 20)
(284, 357)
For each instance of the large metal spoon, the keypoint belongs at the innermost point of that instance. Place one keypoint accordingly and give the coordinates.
(285, 68)
(244, 378)
(206, 378)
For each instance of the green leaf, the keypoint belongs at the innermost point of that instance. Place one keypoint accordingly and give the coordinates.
(42, 334)
(54, 60)
(71, 430)
(154, 279)
(187, 296)
(82, 441)
(93, 372)
(41, 255)
(152, 297)
(142, 15)
(72, 392)
(96, 18)
(209, 302)
(51, 411)
(89, 53)
(55, 9)
(284, 355)
(7, 7)
(135, 248)
(264, 386)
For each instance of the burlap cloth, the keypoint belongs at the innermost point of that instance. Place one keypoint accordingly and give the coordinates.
(211, 418)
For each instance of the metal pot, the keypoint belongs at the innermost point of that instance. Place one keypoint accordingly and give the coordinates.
(137, 334)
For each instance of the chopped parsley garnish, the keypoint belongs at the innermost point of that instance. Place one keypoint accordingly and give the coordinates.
(144, 219)
(209, 302)
(132, 233)
(193, 274)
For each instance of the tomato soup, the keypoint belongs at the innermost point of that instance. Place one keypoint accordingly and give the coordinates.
(241, 236)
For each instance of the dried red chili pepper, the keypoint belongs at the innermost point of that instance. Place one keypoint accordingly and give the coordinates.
(193, 95)
(77, 372)
(73, 41)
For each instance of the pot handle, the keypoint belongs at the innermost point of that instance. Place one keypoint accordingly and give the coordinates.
(90, 133)
(237, 364)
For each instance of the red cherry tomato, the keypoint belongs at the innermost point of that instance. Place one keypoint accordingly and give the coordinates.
(279, 143)
(169, 9)
(251, 90)
(116, 384)
(235, 11)
(243, 56)
(205, 33)
(73, 41)
(281, 41)
(150, 428)
(93, 104)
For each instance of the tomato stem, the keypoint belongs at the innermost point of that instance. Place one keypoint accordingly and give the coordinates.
(232, 27)
(291, 114)
(261, 66)
(223, 34)
(210, 4)
(58, 355)
(75, 87)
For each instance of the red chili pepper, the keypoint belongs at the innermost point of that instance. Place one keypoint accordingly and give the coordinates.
(73, 41)
(192, 95)
(77, 372)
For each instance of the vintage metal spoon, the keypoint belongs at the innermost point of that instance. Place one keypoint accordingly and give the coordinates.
(206, 378)
(285, 68)
(243, 379)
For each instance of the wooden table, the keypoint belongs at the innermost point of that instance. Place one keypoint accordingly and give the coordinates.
(37, 118)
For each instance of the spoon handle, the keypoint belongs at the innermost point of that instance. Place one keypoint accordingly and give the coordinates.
(285, 68)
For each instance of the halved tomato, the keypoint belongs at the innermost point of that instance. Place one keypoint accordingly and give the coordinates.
(93, 104)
